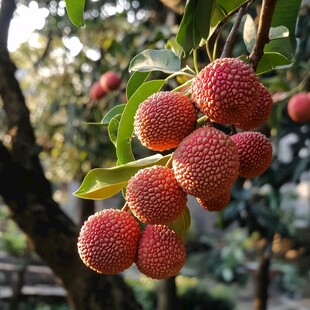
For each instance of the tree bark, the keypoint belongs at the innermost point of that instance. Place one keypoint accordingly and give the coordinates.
(28, 195)
(167, 295)
(262, 279)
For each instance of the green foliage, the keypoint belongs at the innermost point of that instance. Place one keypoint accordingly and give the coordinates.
(75, 11)
(155, 60)
(182, 223)
(202, 24)
(195, 24)
(101, 183)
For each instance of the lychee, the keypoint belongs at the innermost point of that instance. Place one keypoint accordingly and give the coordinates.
(206, 163)
(217, 203)
(108, 240)
(164, 119)
(226, 90)
(298, 107)
(110, 80)
(161, 252)
(96, 91)
(154, 196)
(261, 111)
(255, 153)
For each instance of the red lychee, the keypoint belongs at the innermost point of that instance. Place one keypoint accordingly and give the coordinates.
(154, 196)
(261, 111)
(161, 252)
(96, 91)
(108, 240)
(206, 163)
(226, 90)
(164, 119)
(217, 203)
(298, 107)
(255, 153)
(110, 80)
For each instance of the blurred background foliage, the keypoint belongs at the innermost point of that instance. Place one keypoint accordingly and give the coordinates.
(57, 66)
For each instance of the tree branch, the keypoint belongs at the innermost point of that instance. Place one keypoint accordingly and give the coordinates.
(232, 35)
(222, 23)
(268, 7)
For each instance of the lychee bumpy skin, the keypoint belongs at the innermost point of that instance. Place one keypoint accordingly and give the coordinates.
(161, 252)
(154, 196)
(206, 163)
(226, 90)
(261, 111)
(255, 153)
(217, 203)
(108, 241)
(164, 119)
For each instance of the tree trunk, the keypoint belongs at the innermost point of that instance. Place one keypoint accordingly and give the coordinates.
(28, 195)
(262, 279)
(167, 295)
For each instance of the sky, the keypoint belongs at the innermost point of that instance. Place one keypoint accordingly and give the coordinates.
(26, 19)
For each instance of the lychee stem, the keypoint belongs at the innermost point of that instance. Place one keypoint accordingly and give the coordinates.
(169, 162)
(195, 60)
(125, 207)
(181, 86)
(233, 130)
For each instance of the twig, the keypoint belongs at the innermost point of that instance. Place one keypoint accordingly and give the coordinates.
(223, 22)
(232, 35)
(268, 7)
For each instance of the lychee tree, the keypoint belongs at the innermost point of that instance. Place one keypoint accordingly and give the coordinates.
(224, 88)
(232, 105)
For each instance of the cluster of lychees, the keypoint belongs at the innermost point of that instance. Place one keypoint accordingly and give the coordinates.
(205, 163)
(107, 82)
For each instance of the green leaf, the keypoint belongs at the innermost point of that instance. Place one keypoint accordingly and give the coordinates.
(118, 109)
(271, 61)
(188, 35)
(181, 224)
(278, 33)
(285, 14)
(125, 129)
(155, 60)
(174, 47)
(280, 52)
(135, 81)
(75, 10)
(113, 128)
(230, 6)
(101, 183)
(223, 8)
(249, 33)
(204, 11)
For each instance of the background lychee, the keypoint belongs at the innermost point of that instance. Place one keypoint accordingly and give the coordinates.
(161, 252)
(164, 119)
(298, 107)
(206, 163)
(110, 80)
(108, 240)
(96, 91)
(226, 90)
(154, 196)
(261, 111)
(217, 203)
(255, 153)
